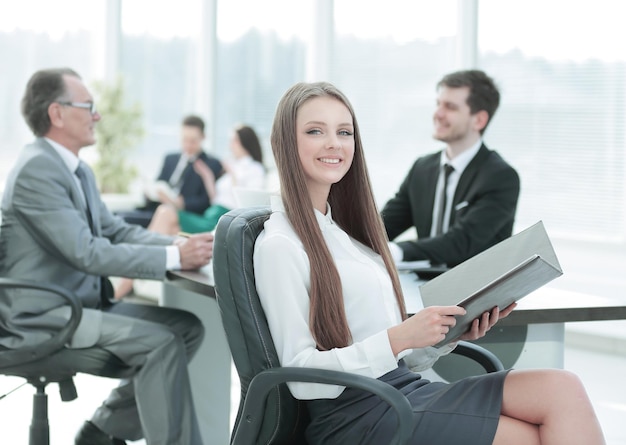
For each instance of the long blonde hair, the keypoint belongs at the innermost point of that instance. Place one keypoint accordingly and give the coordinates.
(354, 210)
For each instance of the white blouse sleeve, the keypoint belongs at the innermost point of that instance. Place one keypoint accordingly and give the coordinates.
(282, 279)
(253, 176)
(424, 358)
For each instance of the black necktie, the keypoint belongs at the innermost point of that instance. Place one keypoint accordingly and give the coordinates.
(89, 190)
(447, 169)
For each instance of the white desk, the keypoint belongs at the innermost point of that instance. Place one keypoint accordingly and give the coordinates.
(210, 369)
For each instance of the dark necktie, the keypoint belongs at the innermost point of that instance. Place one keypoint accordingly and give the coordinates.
(447, 169)
(89, 190)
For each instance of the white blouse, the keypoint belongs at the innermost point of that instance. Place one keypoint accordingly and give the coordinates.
(282, 268)
(245, 173)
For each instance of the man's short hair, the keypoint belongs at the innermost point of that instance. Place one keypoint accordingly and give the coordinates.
(483, 92)
(44, 87)
(194, 121)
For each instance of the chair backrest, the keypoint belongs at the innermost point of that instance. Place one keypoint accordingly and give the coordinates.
(50, 360)
(14, 357)
(245, 324)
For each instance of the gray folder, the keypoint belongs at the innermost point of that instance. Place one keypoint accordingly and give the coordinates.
(499, 276)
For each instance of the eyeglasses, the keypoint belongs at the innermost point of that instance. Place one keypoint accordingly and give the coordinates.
(84, 105)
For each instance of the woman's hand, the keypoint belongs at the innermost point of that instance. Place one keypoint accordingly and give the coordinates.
(164, 198)
(481, 326)
(203, 170)
(207, 176)
(426, 328)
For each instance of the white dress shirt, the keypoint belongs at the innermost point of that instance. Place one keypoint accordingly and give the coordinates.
(282, 278)
(459, 163)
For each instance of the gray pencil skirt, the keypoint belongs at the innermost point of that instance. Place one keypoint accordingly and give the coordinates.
(463, 412)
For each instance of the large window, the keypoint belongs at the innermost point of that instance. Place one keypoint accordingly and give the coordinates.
(388, 57)
(35, 35)
(562, 72)
(563, 117)
(261, 53)
(562, 124)
(159, 63)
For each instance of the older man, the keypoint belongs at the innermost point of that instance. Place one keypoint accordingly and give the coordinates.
(56, 229)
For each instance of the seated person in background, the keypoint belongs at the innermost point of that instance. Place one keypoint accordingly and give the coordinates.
(179, 184)
(245, 171)
(459, 214)
(55, 229)
(333, 300)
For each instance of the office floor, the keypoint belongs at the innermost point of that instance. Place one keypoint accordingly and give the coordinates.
(602, 374)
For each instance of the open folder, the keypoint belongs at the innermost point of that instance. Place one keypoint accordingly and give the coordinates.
(498, 276)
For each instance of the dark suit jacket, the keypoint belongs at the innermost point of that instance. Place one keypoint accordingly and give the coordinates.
(192, 189)
(487, 193)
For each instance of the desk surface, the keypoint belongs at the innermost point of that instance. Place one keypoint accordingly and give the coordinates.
(198, 281)
(546, 305)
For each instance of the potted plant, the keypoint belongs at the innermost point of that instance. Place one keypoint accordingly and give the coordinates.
(117, 134)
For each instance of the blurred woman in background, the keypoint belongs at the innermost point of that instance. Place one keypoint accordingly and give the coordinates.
(245, 170)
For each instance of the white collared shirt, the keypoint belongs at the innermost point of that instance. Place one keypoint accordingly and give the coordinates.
(283, 282)
(70, 160)
(459, 163)
(245, 173)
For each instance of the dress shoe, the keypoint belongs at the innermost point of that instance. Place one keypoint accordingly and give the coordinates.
(89, 434)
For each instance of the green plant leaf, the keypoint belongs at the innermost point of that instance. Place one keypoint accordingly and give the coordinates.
(118, 133)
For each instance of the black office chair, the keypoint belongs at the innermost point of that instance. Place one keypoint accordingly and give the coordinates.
(268, 414)
(51, 362)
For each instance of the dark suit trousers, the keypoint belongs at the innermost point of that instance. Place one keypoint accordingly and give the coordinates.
(156, 403)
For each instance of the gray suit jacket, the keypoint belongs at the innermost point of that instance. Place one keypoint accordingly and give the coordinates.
(45, 236)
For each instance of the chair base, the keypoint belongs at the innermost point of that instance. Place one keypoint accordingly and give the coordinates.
(39, 427)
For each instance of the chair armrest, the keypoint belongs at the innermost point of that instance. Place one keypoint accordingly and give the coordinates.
(13, 357)
(262, 384)
(487, 359)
